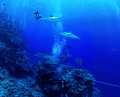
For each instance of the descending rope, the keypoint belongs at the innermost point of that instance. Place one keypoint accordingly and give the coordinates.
(108, 84)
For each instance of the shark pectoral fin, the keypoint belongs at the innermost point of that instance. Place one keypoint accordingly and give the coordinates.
(65, 37)
(55, 24)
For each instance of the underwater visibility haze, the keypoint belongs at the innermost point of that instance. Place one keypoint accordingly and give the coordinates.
(60, 48)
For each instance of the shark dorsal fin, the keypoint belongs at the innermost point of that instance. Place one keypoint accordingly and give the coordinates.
(70, 32)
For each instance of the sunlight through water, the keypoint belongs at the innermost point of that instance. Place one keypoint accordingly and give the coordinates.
(57, 46)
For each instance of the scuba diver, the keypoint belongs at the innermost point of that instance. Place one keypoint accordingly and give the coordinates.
(64, 89)
(50, 19)
(38, 15)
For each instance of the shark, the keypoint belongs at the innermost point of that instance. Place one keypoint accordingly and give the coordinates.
(52, 20)
(49, 59)
(69, 34)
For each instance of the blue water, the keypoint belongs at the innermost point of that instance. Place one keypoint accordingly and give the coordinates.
(96, 22)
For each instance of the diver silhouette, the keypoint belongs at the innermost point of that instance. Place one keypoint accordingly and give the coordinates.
(38, 15)
(63, 88)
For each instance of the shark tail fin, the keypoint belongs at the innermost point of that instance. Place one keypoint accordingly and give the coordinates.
(79, 39)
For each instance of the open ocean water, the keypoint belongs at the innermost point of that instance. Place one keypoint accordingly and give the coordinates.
(95, 22)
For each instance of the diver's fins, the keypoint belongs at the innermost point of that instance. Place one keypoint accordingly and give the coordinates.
(36, 12)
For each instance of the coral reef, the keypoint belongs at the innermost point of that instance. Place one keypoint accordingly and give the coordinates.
(14, 87)
(57, 80)
(54, 77)
(13, 54)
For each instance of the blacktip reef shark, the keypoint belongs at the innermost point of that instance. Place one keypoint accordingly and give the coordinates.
(50, 59)
(69, 34)
(52, 20)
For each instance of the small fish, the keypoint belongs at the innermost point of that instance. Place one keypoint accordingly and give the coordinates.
(3, 4)
(114, 49)
(5, 10)
(47, 52)
(68, 46)
(96, 66)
